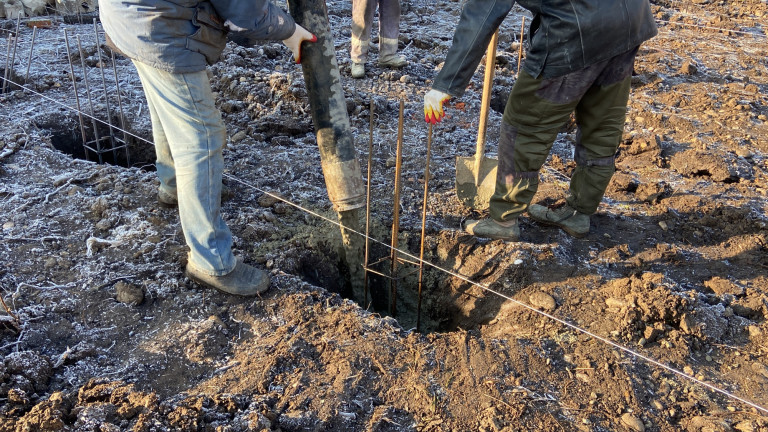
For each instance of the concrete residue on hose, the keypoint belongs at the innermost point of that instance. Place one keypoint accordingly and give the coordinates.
(341, 168)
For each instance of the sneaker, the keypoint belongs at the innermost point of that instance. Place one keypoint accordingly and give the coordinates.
(566, 217)
(392, 61)
(244, 280)
(169, 200)
(489, 228)
(358, 70)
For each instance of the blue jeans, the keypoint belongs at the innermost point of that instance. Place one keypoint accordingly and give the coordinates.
(189, 138)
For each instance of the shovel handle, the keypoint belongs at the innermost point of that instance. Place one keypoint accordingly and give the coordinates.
(490, 66)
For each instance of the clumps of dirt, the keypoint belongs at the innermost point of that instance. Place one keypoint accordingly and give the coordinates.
(693, 163)
(24, 373)
(644, 308)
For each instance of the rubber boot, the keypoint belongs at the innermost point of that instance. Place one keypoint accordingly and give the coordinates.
(567, 218)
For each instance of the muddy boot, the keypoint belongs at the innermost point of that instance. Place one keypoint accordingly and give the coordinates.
(388, 56)
(566, 217)
(358, 70)
(169, 200)
(166, 199)
(489, 228)
(244, 280)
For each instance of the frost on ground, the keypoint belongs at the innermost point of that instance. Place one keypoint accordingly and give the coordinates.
(100, 330)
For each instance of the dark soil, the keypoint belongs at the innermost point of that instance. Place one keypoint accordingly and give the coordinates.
(101, 331)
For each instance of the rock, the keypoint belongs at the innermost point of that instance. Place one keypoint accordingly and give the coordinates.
(129, 293)
(74, 7)
(542, 300)
(760, 368)
(722, 286)
(239, 136)
(267, 200)
(745, 426)
(35, 7)
(632, 422)
(12, 9)
(687, 324)
(689, 68)
(699, 423)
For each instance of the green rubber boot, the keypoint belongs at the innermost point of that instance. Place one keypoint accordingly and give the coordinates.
(566, 217)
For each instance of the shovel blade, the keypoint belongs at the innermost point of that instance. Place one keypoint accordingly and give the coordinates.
(475, 196)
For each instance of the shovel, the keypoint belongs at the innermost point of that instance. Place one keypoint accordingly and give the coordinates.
(476, 176)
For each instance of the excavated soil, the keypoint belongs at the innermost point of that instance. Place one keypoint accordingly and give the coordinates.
(656, 321)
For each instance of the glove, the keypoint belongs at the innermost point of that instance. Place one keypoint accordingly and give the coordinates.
(433, 106)
(300, 34)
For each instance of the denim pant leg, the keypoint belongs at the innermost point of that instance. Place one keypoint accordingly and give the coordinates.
(166, 172)
(362, 23)
(184, 108)
(389, 27)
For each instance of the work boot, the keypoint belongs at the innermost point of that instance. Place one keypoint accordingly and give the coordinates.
(358, 70)
(392, 61)
(169, 200)
(489, 228)
(244, 280)
(566, 217)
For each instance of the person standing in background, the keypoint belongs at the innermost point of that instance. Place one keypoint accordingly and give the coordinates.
(389, 30)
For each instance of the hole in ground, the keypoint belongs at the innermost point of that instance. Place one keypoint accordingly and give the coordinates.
(66, 136)
(447, 303)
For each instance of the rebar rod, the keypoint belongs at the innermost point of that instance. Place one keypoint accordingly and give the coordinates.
(368, 205)
(15, 44)
(120, 105)
(520, 50)
(423, 226)
(31, 49)
(396, 213)
(7, 58)
(77, 97)
(106, 95)
(90, 101)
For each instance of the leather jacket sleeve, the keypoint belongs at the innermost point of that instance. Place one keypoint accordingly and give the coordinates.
(479, 20)
(254, 20)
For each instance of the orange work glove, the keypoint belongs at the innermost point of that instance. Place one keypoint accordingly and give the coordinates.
(300, 34)
(433, 105)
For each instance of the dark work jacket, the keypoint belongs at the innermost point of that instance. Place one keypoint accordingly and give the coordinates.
(564, 36)
(182, 36)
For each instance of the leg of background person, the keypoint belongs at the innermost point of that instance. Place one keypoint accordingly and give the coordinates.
(185, 107)
(600, 115)
(389, 28)
(362, 19)
(166, 172)
(530, 125)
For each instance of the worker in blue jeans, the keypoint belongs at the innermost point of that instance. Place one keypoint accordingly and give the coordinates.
(171, 43)
(580, 60)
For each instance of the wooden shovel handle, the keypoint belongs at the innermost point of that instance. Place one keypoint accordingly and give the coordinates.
(490, 67)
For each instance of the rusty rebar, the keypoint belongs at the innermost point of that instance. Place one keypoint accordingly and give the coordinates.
(520, 50)
(423, 226)
(77, 97)
(122, 114)
(7, 58)
(106, 95)
(90, 101)
(13, 56)
(368, 205)
(31, 49)
(396, 212)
